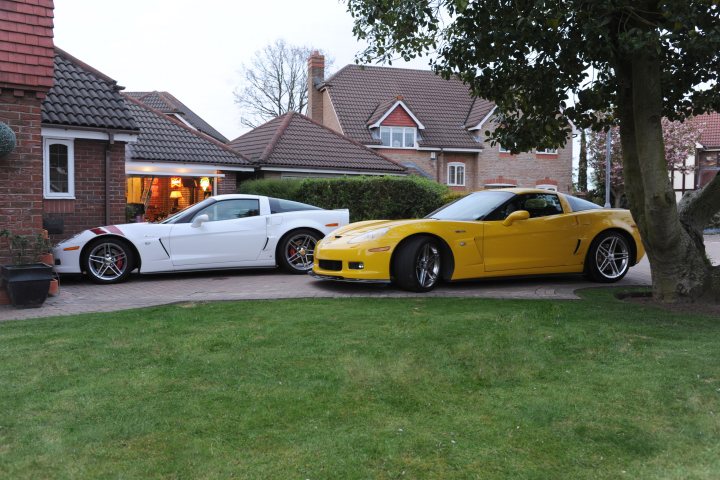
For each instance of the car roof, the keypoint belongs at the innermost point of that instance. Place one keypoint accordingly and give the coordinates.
(517, 190)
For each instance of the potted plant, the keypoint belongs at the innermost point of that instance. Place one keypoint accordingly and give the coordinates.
(27, 280)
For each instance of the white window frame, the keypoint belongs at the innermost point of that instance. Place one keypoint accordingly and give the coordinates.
(452, 180)
(403, 129)
(70, 144)
(547, 151)
(502, 149)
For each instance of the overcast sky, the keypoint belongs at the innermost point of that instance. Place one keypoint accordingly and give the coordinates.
(195, 50)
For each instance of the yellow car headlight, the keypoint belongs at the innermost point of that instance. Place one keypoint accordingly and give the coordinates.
(369, 236)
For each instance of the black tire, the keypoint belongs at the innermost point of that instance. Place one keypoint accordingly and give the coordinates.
(416, 265)
(608, 259)
(108, 260)
(296, 250)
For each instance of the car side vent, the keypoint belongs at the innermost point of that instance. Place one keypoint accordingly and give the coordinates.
(332, 265)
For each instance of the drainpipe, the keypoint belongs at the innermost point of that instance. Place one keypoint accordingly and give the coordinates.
(108, 148)
(438, 165)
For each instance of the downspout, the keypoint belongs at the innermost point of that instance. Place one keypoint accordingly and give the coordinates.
(438, 165)
(108, 148)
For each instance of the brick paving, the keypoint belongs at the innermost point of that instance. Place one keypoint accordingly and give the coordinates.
(80, 296)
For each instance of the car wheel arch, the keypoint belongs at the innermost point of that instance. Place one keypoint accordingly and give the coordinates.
(138, 259)
(279, 244)
(447, 263)
(628, 237)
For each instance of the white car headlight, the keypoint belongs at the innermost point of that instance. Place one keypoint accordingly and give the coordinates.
(369, 236)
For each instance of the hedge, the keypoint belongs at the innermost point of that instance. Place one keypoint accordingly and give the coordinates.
(367, 198)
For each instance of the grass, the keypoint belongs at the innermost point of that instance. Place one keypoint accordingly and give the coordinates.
(360, 389)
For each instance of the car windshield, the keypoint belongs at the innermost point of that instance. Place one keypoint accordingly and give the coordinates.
(194, 207)
(472, 207)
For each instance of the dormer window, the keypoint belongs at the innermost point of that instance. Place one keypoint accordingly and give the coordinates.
(398, 137)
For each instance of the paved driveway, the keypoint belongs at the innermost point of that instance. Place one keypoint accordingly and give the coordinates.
(80, 296)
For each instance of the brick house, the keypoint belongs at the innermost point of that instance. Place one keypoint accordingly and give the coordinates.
(26, 75)
(86, 126)
(294, 146)
(428, 124)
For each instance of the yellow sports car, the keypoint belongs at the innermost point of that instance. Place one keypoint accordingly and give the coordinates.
(492, 233)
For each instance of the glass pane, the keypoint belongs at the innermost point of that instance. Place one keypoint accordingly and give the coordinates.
(59, 175)
(385, 136)
(460, 175)
(451, 175)
(397, 137)
(409, 137)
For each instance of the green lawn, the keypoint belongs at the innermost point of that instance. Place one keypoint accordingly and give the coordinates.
(364, 388)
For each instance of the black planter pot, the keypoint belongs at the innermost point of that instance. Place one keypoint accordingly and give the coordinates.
(27, 285)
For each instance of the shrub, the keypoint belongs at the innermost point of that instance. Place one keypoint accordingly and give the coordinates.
(453, 195)
(287, 189)
(367, 198)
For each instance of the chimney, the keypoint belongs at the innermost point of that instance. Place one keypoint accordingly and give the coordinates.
(316, 75)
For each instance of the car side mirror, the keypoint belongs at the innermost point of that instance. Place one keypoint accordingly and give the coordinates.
(515, 216)
(199, 220)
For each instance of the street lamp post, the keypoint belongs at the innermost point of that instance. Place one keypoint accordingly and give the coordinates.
(608, 150)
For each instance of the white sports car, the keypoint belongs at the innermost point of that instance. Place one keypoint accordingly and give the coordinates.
(221, 232)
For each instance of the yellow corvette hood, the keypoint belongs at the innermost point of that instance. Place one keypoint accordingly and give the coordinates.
(358, 228)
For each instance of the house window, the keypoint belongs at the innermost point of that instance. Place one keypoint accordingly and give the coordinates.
(58, 168)
(547, 151)
(398, 137)
(502, 149)
(456, 174)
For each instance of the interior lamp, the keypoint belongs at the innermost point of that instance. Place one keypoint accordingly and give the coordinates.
(204, 183)
(175, 182)
(176, 194)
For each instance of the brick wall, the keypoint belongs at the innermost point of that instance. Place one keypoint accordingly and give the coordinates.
(399, 118)
(420, 158)
(470, 162)
(21, 171)
(227, 184)
(526, 169)
(87, 210)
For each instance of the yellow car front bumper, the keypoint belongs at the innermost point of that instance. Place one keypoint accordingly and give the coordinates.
(352, 263)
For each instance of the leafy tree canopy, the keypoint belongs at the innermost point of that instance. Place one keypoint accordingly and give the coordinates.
(527, 56)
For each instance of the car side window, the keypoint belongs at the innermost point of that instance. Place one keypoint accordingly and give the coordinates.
(231, 209)
(537, 204)
(541, 204)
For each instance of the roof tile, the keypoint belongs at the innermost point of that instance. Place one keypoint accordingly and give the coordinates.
(83, 97)
(295, 141)
(165, 139)
(166, 103)
(359, 94)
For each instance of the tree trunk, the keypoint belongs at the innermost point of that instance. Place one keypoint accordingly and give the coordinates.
(680, 269)
(583, 163)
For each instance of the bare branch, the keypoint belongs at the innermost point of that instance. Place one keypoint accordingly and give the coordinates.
(274, 83)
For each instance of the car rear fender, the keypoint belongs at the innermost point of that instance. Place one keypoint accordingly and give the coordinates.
(447, 260)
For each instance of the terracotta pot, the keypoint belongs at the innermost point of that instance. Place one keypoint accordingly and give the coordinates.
(54, 289)
(47, 258)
